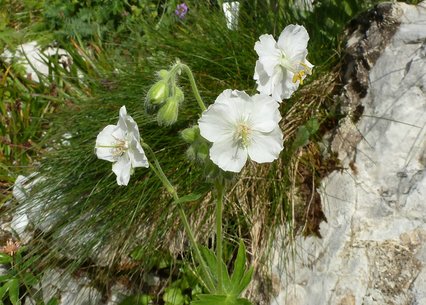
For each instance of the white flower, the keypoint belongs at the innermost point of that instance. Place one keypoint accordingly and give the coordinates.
(282, 65)
(121, 144)
(241, 126)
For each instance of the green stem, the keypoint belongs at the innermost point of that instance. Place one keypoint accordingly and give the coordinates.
(194, 86)
(219, 234)
(209, 283)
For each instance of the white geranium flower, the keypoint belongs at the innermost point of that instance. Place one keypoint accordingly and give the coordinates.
(241, 126)
(121, 144)
(282, 65)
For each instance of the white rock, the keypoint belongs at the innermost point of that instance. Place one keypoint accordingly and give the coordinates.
(69, 290)
(373, 249)
(34, 60)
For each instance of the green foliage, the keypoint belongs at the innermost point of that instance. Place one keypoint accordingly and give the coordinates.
(304, 132)
(18, 274)
(139, 299)
(22, 113)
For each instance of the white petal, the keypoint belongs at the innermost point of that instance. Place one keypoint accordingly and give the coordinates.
(241, 94)
(263, 80)
(105, 142)
(217, 121)
(293, 40)
(266, 147)
(122, 169)
(277, 83)
(137, 154)
(266, 116)
(284, 86)
(127, 124)
(224, 97)
(228, 155)
(269, 54)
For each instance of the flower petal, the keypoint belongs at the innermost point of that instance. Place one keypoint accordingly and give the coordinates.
(293, 41)
(137, 154)
(266, 116)
(122, 168)
(228, 155)
(266, 147)
(219, 120)
(269, 54)
(105, 142)
(127, 124)
(263, 80)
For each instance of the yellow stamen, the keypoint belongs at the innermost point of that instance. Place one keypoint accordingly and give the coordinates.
(243, 133)
(298, 76)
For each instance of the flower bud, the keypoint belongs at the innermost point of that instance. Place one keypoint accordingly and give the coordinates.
(189, 135)
(158, 93)
(163, 74)
(178, 94)
(168, 113)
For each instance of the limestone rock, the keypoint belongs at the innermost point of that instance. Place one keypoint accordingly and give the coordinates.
(373, 250)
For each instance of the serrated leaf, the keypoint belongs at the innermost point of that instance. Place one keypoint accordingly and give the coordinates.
(239, 265)
(245, 281)
(210, 299)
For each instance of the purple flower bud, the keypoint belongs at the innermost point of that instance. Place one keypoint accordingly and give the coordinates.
(181, 10)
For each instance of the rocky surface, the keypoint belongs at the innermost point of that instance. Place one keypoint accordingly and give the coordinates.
(373, 250)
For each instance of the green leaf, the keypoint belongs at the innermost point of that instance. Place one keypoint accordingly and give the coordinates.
(302, 137)
(14, 291)
(188, 198)
(239, 265)
(5, 259)
(4, 278)
(246, 279)
(29, 279)
(53, 301)
(138, 299)
(3, 290)
(211, 299)
(312, 126)
(173, 296)
(211, 261)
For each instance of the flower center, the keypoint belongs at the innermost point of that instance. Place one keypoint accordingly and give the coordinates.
(243, 134)
(120, 147)
(299, 70)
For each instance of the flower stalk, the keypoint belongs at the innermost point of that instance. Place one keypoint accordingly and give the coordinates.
(156, 167)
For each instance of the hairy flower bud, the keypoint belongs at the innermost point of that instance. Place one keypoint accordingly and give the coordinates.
(189, 135)
(178, 94)
(158, 93)
(168, 113)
